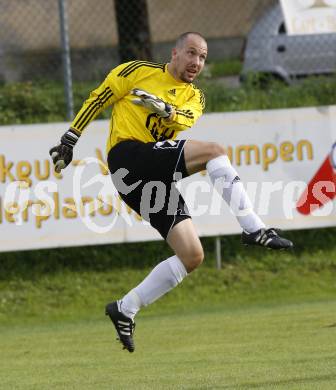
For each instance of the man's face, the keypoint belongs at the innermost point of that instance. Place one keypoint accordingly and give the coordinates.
(188, 59)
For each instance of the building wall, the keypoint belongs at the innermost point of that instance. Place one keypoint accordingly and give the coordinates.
(34, 24)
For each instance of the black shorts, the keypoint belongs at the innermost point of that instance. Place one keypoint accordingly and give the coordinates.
(145, 174)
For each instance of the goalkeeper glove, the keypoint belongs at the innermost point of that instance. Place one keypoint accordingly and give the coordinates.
(152, 103)
(62, 153)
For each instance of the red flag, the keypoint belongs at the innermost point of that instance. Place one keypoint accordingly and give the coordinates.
(321, 188)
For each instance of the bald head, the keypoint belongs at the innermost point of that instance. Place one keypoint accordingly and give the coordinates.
(180, 41)
(188, 57)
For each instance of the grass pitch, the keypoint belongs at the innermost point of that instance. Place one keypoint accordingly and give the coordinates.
(284, 346)
(265, 321)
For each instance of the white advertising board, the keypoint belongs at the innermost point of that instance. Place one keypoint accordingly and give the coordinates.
(309, 16)
(275, 152)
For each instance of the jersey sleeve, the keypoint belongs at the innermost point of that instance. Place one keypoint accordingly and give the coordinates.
(187, 114)
(111, 90)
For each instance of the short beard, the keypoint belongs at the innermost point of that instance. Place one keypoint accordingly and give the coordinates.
(185, 80)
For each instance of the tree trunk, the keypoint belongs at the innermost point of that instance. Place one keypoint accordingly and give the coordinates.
(133, 30)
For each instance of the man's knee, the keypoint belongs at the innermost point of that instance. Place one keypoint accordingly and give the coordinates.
(193, 258)
(215, 150)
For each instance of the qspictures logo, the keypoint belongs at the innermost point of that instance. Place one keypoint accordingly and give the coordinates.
(34, 194)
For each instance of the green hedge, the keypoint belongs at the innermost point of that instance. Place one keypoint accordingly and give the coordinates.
(44, 102)
(316, 245)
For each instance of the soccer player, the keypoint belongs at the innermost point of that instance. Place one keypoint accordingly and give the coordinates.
(152, 104)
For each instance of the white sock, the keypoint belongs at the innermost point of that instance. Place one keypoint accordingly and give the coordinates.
(164, 277)
(225, 179)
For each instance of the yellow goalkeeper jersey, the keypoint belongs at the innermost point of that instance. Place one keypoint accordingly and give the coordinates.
(129, 121)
